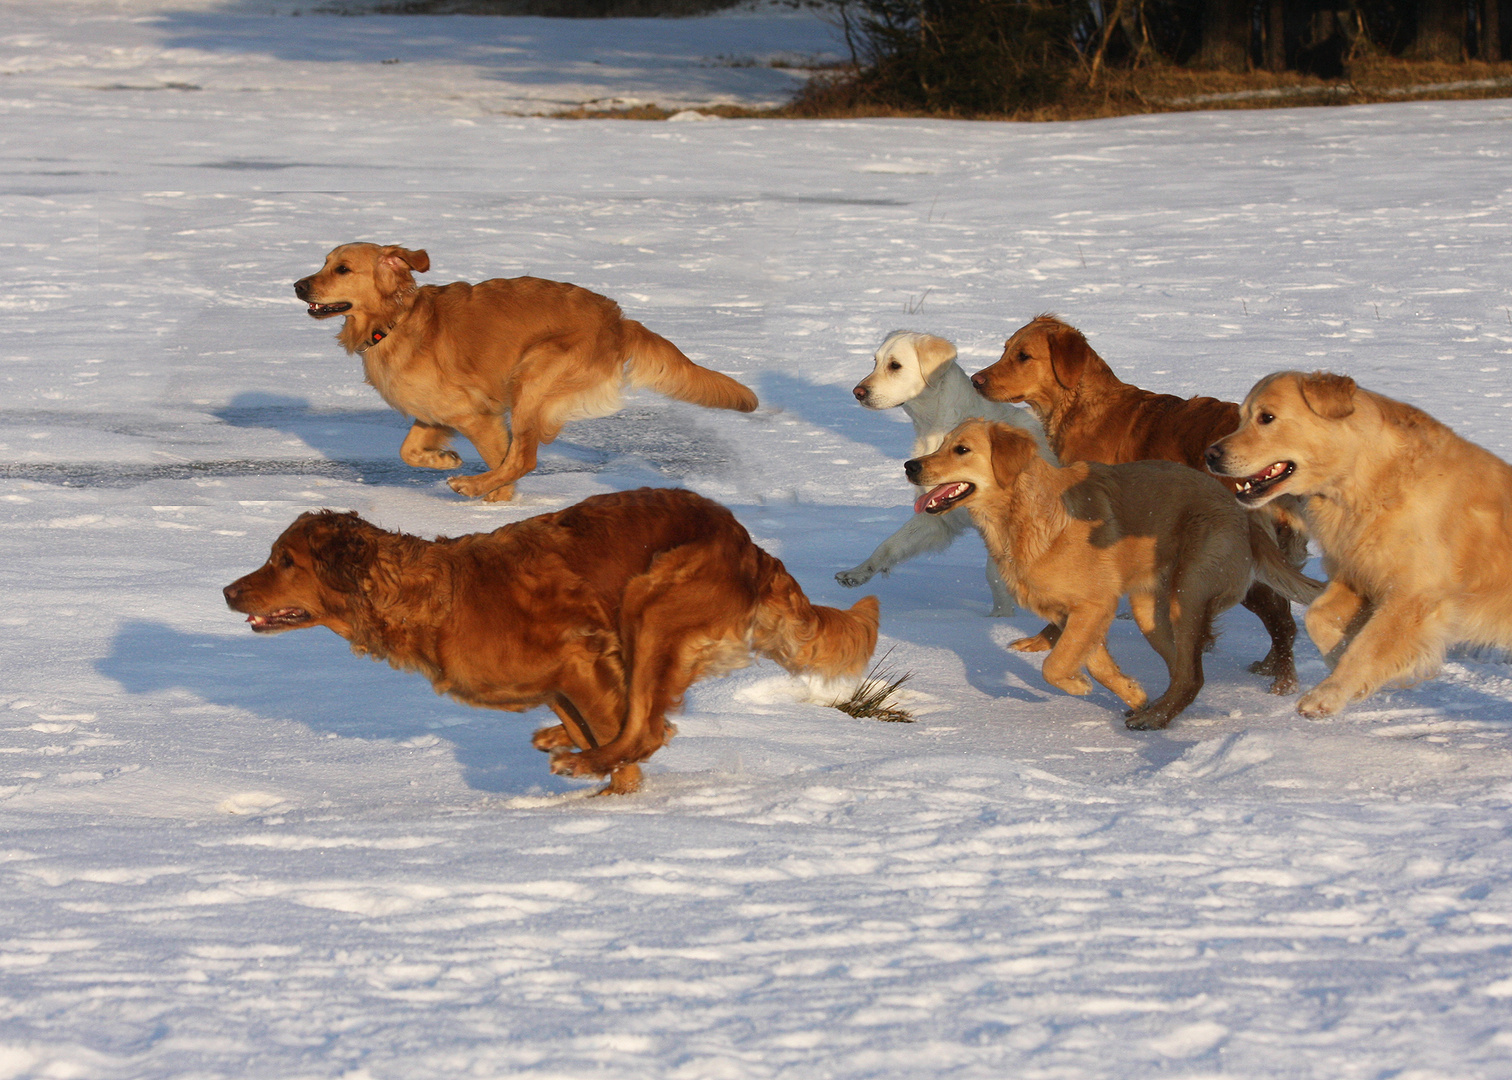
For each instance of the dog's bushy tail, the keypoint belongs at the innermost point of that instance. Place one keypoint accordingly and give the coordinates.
(1271, 566)
(655, 362)
(810, 638)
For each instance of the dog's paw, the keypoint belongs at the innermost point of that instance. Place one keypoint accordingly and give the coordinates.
(1146, 719)
(435, 459)
(1077, 684)
(551, 738)
(565, 762)
(856, 575)
(1321, 700)
(475, 487)
(1037, 643)
(625, 780)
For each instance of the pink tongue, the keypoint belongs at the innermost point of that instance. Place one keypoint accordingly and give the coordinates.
(928, 497)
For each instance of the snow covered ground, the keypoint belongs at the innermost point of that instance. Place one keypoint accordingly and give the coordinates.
(236, 857)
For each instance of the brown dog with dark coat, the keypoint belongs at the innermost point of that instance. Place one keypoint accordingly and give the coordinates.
(460, 358)
(605, 612)
(1089, 414)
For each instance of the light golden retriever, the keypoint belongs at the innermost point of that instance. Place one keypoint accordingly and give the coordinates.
(1415, 524)
(460, 358)
(1071, 541)
(1090, 414)
(605, 612)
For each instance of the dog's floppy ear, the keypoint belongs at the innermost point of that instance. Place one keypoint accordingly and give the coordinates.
(404, 260)
(342, 547)
(1069, 355)
(1012, 450)
(1330, 396)
(933, 353)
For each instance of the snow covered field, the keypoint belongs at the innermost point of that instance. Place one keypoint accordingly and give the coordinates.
(236, 857)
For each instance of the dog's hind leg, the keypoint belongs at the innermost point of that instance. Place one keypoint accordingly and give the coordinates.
(1183, 622)
(1274, 610)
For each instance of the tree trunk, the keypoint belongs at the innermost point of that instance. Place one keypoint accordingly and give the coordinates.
(1440, 30)
(1275, 35)
(1490, 30)
(1225, 35)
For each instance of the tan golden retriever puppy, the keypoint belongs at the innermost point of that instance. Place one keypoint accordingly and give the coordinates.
(1089, 414)
(1415, 524)
(1071, 541)
(605, 612)
(462, 358)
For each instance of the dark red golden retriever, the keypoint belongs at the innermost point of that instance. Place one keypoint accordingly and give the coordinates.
(605, 612)
(463, 358)
(1089, 414)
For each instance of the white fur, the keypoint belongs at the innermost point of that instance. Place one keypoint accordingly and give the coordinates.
(920, 373)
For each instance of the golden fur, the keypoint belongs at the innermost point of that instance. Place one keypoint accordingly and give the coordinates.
(1089, 414)
(1415, 524)
(460, 358)
(1071, 541)
(605, 612)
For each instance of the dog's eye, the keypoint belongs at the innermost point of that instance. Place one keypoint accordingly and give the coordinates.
(343, 269)
(1265, 418)
(1023, 358)
(894, 366)
(285, 560)
(962, 448)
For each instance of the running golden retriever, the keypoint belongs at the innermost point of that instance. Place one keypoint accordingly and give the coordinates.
(460, 358)
(1415, 524)
(605, 612)
(1090, 414)
(1071, 541)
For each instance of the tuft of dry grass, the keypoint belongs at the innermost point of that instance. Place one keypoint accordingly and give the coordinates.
(1159, 88)
(872, 697)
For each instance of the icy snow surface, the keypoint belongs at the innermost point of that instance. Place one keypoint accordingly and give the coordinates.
(228, 856)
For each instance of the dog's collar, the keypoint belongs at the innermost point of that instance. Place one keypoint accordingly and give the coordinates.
(377, 336)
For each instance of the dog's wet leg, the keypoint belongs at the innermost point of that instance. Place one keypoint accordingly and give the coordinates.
(1274, 610)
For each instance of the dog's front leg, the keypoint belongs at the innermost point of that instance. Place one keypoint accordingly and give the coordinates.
(425, 447)
(494, 442)
(1334, 618)
(1085, 630)
(1401, 638)
(920, 533)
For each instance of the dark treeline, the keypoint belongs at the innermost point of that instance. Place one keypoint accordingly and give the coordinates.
(1001, 56)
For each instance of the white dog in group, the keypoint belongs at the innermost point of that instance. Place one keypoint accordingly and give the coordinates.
(920, 373)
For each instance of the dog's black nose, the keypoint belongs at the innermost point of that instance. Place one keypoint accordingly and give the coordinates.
(1213, 457)
(860, 392)
(911, 467)
(302, 288)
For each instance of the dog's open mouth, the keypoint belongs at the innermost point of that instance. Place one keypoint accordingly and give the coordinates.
(282, 619)
(1253, 488)
(937, 500)
(325, 311)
